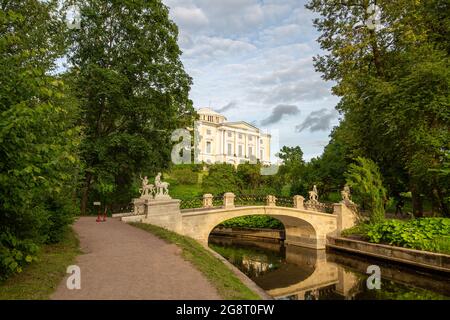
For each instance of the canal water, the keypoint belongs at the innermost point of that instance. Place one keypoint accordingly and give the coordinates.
(295, 273)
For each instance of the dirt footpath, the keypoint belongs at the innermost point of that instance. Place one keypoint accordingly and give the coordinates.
(123, 262)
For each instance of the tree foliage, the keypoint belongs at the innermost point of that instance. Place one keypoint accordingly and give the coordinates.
(365, 179)
(133, 92)
(394, 87)
(220, 179)
(38, 136)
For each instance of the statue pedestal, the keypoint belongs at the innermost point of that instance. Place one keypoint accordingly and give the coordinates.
(138, 206)
(164, 213)
(162, 197)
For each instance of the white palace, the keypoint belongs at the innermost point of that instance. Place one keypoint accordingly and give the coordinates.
(230, 142)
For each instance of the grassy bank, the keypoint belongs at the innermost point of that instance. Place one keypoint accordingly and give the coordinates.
(225, 281)
(39, 280)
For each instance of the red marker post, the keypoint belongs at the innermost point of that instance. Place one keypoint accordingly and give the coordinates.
(97, 204)
(104, 213)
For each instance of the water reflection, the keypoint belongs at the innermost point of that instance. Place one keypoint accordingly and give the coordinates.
(295, 273)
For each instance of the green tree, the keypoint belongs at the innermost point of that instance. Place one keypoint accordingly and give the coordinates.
(38, 136)
(394, 87)
(292, 169)
(327, 171)
(220, 179)
(365, 179)
(250, 175)
(132, 88)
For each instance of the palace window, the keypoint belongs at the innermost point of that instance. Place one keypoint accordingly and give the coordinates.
(208, 132)
(250, 138)
(240, 151)
(208, 146)
(261, 154)
(250, 151)
(240, 136)
(230, 149)
(230, 134)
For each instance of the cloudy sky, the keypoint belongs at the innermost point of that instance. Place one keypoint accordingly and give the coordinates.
(252, 60)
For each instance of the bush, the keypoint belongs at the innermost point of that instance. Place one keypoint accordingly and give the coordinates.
(365, 179)
(431, 234)
(15, 254)
(263, 222)
(221, 178)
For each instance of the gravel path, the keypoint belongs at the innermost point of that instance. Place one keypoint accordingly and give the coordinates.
(123, 262)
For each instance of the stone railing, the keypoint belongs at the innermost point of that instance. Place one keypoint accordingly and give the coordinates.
(318, 206)
(230, 200)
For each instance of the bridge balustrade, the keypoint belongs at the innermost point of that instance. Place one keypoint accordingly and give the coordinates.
(242, 200)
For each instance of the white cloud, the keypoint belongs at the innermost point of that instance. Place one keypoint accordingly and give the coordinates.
(189, 18)
(206, 48)
(249, 56)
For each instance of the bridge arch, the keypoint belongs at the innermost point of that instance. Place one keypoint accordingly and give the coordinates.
(303, 228)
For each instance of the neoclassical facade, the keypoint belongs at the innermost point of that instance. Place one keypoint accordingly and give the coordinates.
(230, 142)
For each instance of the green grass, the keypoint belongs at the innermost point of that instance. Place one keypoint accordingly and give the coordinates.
(185, 192)
(227, 284)
(40, 279)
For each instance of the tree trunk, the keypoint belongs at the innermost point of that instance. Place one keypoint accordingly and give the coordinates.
(417, 203)
(85, 196)
(445, 211)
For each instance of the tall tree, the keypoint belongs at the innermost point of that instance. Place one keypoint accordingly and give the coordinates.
(394, 86)
(38, 137)
(132, 88)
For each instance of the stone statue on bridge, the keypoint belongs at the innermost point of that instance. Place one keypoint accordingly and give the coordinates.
(346, 195)
(314, 194)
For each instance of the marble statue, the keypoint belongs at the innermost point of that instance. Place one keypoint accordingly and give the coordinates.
(314, 194)
(146, 189)
(346, 194)
(162, 188)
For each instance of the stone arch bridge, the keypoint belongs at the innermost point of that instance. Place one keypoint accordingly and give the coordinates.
(305, 225)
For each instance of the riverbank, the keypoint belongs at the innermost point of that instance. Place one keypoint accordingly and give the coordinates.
(38, 280)
(419, 258)
(221, 276)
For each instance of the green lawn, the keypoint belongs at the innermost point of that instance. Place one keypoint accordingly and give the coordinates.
(40, 279)
(225, 281)
(185, 192)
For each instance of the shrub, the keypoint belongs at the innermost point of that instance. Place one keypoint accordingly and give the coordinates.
(264, 222)
(364, 178)
(431, 234)
(15, 254)
(221, 178)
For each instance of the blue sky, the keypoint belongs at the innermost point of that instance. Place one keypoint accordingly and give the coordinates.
(252, 60)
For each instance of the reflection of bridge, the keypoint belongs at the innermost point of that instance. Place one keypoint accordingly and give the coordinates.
(304, 274)
(322, 275)
(304, 227)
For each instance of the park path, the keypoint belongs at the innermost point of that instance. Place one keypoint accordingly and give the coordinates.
(123, 262)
